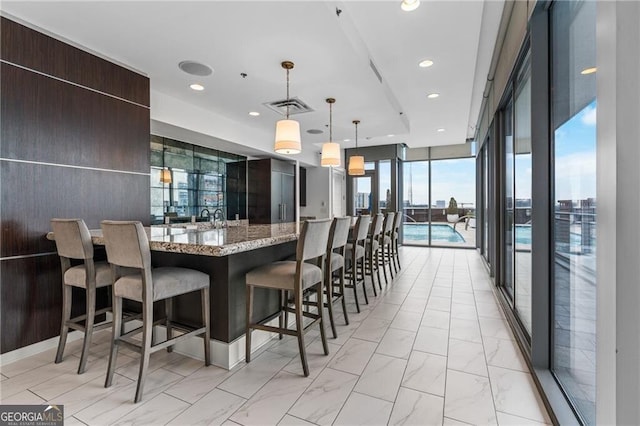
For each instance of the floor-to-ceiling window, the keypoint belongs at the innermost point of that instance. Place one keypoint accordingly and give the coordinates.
(573, 59)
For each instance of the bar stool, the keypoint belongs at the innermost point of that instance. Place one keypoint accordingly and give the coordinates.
(395, 236)
(293, 277)
(73, 241)
(335, 262)
(385, 244)
(372, 249)
(355, 253)
(127, 246)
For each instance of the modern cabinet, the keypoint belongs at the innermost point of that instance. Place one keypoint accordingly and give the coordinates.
(271, 191)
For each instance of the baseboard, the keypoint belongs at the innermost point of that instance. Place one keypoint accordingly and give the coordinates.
(36, 348)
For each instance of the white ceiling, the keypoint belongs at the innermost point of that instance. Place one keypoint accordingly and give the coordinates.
(331, 52)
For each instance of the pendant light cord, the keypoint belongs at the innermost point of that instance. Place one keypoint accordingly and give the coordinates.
(330, 123)
(287, 93)
(356, 137)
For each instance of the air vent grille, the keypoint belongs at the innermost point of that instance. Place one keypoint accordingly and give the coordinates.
(296, 106)
(375, 70)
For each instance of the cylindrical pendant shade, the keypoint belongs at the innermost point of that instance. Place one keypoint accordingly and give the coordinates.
(288, 137)
(165, 176)
(356, 165)
(330, 154)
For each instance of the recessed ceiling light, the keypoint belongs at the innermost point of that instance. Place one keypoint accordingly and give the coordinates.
(425, 64)
(409, 5)
(197, 87)
(314, 131)
(588, 71)
(390, 136)
(254, 113)
(433, 95)
(440, 130)
(195, 68)
(346, 140)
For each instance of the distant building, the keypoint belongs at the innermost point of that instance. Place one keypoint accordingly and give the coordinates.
(441, 204)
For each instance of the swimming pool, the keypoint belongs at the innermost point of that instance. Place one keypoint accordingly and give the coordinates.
(439, 233)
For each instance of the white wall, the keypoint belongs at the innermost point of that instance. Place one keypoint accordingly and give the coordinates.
(318, 192)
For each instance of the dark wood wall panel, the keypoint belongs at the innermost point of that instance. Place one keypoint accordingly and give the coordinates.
(31, 49)
(32, 194)
(54, 121)
(48, 120)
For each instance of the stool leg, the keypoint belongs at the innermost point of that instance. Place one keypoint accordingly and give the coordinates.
(88, 326)
(147, 326)
(329, 288)
(323, 334)
(383, 261)
(354, 279)
(300, 331)
(115, 336)
(206, 318)
(66, 316)
(283, 306)
(168, 310)
(247, 354)
(377, 257)
(344, 302)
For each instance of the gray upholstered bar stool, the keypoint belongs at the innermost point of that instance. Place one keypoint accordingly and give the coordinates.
(355, 253)
(293, 277)
(73, 241)
(335, 263)
(395, 238)
(127, 246)
(373, 251)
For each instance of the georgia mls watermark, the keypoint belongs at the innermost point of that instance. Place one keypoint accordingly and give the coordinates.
(31, 415)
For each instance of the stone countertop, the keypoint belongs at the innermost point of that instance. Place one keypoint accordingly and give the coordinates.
(211, 242)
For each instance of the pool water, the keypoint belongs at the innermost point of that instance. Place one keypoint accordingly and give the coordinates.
(439, 233)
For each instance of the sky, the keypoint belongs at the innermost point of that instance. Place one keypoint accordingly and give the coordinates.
(449, 178)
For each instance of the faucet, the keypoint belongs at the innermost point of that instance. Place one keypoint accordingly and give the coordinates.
(219, 215)
(203, 211)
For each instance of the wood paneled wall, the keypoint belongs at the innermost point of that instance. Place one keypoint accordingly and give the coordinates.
(74, 132)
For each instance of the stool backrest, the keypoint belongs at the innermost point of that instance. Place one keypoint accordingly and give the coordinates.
(73, 239)
(313, 239)
(339, 232)
(388, 223)
(127, 244)
(396, 222)
(361, 229)
(376, 228)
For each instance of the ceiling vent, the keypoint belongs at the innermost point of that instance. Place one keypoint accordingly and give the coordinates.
(296, 106)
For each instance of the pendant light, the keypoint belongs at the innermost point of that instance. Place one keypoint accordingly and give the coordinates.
(356, 162)
(165, 176)
(287, 131)
(330, 150)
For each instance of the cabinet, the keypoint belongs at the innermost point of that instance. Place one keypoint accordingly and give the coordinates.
(271, 191)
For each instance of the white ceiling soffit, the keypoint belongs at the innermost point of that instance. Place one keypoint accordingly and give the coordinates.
(366, 57)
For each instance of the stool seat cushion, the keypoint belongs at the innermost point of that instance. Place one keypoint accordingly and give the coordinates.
(359, 251)
(167, 282)
(76, 275)
(387, 240)
(376, 244)
(281, 275)
(337, 261)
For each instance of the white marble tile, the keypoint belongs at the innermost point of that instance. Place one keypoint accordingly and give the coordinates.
(157, 360)
(353, 356)
(462, 329)
(288, 346)
(24, 397)
(505, 419)
(439, 304)
(157, 410)
(416, 408)
(452, 422)
(385, 311)
(290, 420)
(435, 319)
(372, 329)
(32, 362)
(504, 353)
(441, 292)
(484, 296)
(461, 311)
(211, 409)
(246, 381)
(491, 327)
(414, 304)
(426, 373)
(364, 410)
(273, 400)
(72, 421)
(467, 356)
(489, 310)
(397, 343)
(433, 340)
(409, 321)
(316, 359)
(322, 401)
(184, 366)
(199, 383)
(468, 398)
(118, 404)
(515, 393)
(381, 378)
(35, 376)
(397, 294)
(83, 396)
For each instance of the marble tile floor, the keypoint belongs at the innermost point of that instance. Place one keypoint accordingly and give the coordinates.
(433, 348)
